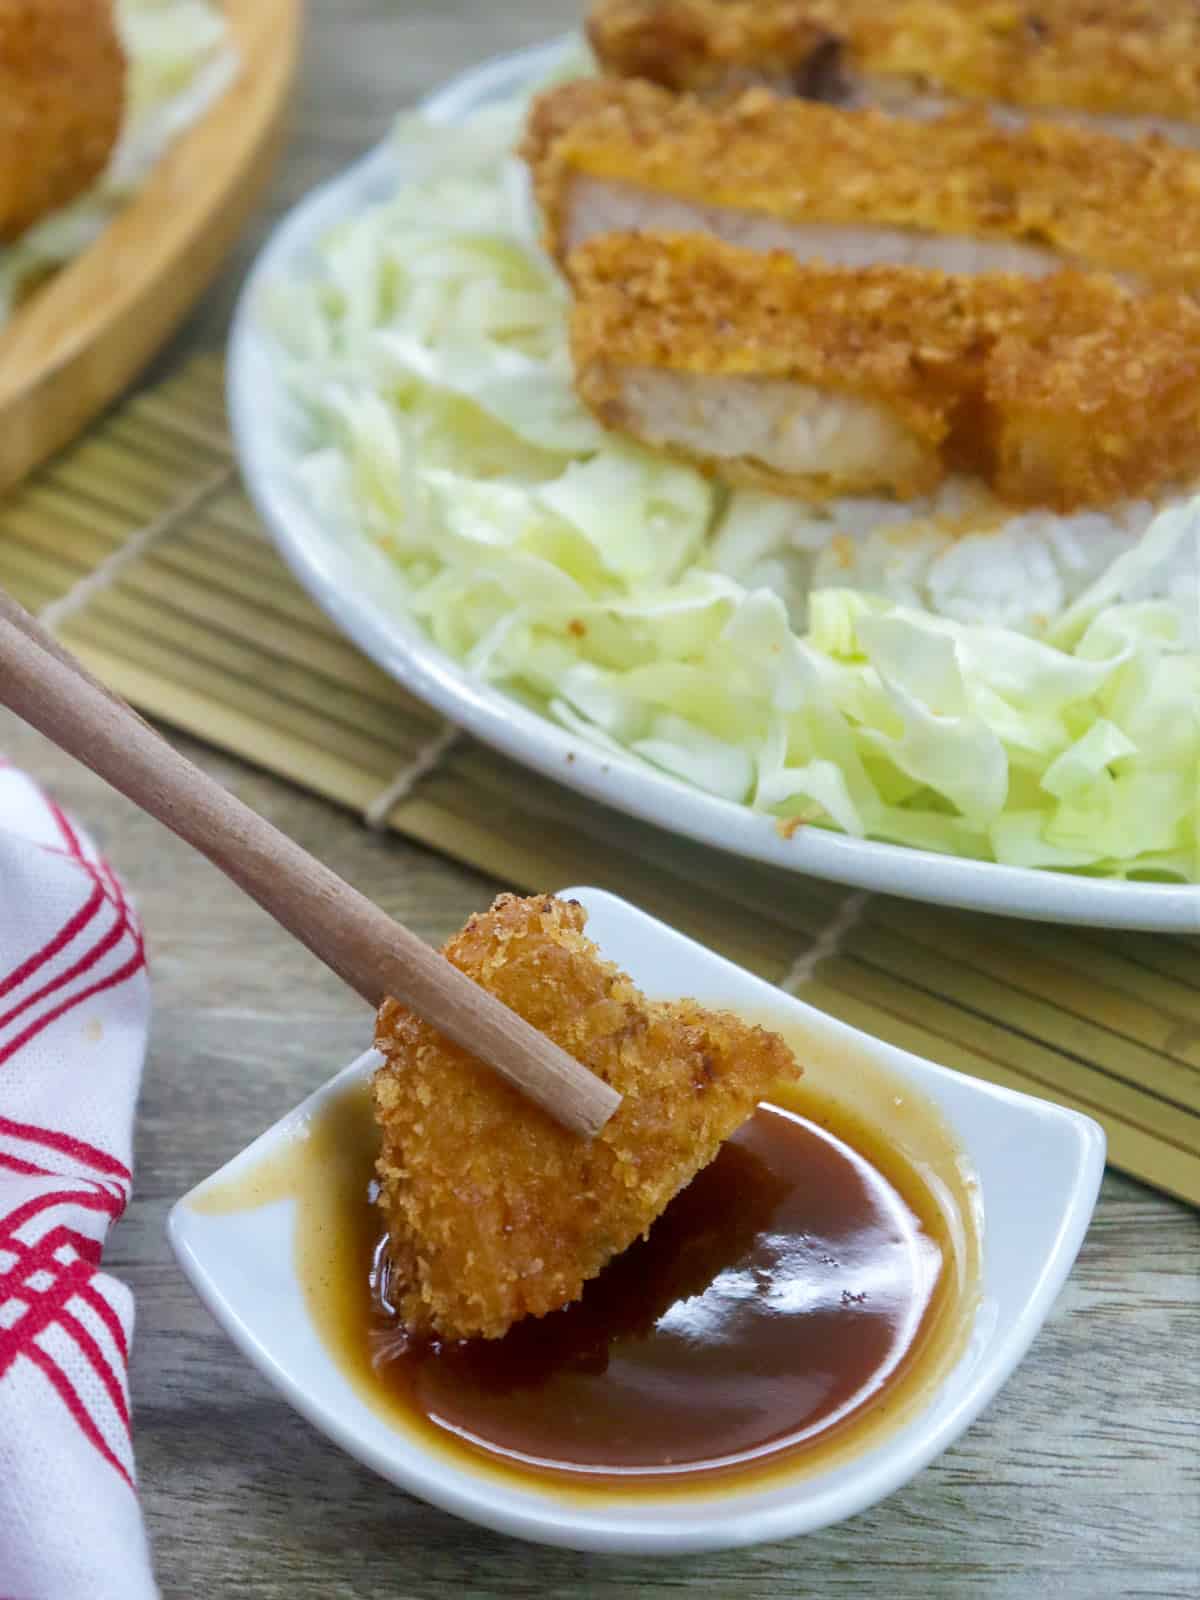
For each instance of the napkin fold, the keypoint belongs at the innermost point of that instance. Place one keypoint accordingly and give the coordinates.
(74, 1009)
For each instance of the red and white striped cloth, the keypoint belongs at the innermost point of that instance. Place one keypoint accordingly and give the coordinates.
(74, 1006)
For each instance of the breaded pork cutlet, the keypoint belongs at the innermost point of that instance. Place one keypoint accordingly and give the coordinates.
(796, 379)
(1062, 392)
(712, 46)
(1125, 66)
(857, 188)
(62, 97)
(1090, 396)
(494, 1212)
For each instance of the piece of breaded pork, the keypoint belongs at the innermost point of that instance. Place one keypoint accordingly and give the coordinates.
(810, 380)
(1126, 66)
(1064, 391)
(1090, 396)
(710, 46)
(62, 97)
(494, 1212)
(853, 188)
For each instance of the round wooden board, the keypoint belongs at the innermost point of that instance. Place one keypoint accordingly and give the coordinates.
(84, 335)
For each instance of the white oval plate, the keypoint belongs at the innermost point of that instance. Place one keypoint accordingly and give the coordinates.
(352, 582)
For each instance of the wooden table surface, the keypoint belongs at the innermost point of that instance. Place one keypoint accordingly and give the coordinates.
(1080, 1481)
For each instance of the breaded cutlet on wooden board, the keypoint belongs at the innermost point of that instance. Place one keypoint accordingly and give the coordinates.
(84, 335)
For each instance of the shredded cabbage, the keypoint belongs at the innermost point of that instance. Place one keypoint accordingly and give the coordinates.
(180, 61)
(1028, 696)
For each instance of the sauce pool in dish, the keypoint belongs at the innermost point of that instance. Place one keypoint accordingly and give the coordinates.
(787, 1309)
(775, 1297)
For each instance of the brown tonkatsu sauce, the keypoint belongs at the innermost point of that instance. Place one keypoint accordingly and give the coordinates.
(791, 1307)
(776, 1297)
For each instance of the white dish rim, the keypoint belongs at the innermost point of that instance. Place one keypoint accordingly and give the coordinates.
(257, 409)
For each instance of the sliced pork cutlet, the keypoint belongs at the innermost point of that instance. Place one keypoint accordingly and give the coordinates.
(857, 188)
(1066, 391)
(494, 1212)
(1123, 66)
(1091, 396)
(807, 380)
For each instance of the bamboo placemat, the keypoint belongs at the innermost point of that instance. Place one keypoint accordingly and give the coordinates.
(139, 547)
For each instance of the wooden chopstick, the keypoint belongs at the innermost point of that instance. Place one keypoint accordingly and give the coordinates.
(43, 683)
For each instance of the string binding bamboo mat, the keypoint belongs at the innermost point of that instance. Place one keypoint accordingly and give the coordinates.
(139, 548)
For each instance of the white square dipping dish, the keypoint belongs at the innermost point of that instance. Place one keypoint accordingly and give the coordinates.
(1034, 1169)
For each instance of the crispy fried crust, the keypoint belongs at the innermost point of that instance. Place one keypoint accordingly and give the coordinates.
(62, 96)
(494, 1212)
(1095, 398)
(707, 44)
(1101, 56)
(570, 105)
(696, 304)
(1063, 391)
(690, 304)
(1131, 207)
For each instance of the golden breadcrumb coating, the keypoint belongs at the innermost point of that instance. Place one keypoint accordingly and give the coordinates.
(495, 1212)
(1062, 391)
(1127, 206)
(1131, 57)
(62, 97)
(1101, 56)
(568, 105)
(689, 304)
(1093, 398)
(703, 45)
